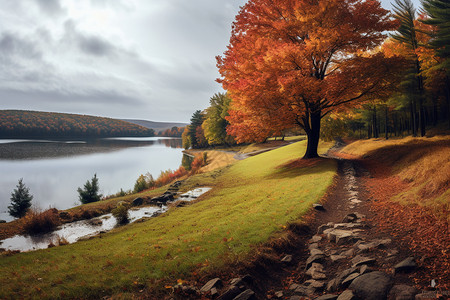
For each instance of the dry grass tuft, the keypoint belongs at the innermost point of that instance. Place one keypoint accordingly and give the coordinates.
(36, 222)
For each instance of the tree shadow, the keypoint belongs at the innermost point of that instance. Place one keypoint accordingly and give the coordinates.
(299, 167)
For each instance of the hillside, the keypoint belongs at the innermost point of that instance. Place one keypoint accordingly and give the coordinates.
(156, 126)
(34, 124)
(251, 201)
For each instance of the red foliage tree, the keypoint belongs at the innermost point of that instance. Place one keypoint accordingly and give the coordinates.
(291, 62)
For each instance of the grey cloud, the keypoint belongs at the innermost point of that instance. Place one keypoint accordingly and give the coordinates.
(50, 7)
(13, 45)
(92, 44)
(96, 46)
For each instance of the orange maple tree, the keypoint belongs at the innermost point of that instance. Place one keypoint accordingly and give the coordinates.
(291, 62)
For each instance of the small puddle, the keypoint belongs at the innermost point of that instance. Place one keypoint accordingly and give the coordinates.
(73, 232)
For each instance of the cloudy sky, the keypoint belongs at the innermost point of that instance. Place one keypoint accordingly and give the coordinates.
(141, 59)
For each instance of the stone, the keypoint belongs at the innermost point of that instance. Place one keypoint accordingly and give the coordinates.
(332, 285)
(316, 252)
(402, 292)
(372, 286)
(327, 297)
(313, 246)
(314, 284)
(287, 259)
(316, 271)
(346, 282)
(237, 281)
(318, 258)
(364, 247)
(348, 253)
(323, 227)
(315, 239)
(336, 257)
(347, 295)
(279, 294)
(318, 207)
(213, 283)
(363, 269)
(137, 202)
(214, 292)
(341, 236)
(231, 293)
(350, 218)
(362, 260)
(407, 265)
(294, 286)
(245, 295)
(295, 298)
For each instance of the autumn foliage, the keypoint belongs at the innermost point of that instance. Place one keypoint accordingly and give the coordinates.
(290, 63)
(32, 124)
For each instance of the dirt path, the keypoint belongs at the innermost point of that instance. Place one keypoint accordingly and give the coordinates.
(340, 254)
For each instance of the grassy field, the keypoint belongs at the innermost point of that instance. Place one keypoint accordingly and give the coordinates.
(423, 163)
(251, 201)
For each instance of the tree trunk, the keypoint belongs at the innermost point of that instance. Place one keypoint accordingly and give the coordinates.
(412, 105)
(313, 134)
(386, 120)
(374, 122)
(421, 117)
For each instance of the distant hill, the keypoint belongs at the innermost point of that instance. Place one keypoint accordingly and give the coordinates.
(35, 124)
(156, 126)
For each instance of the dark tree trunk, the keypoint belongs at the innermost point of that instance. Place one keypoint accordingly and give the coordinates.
(412, 106)
(313, 134)
(374, 122)
(386, 120)
(421, 117)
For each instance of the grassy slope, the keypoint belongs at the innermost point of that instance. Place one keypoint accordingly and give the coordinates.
(423, 163)
(251, 201)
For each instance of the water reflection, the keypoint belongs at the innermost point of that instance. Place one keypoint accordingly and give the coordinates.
(23, 150)
(53, 170)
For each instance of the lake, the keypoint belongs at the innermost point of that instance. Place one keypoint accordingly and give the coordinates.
(53, 170)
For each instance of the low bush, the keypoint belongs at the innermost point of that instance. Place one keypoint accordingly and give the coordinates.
(121, 213)
(36, 222)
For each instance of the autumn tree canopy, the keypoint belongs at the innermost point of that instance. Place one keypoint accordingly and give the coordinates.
(290, 62)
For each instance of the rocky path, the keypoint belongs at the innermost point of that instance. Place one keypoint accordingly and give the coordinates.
(339, 255)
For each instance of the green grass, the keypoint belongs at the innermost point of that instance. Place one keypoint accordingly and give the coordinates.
(251, 201)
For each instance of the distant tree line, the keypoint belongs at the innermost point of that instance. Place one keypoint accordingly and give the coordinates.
(32, 124)
(172, 132)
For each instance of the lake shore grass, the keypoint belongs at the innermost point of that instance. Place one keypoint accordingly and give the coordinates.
(251, 201)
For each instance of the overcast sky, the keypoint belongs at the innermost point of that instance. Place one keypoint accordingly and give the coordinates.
(140, 59)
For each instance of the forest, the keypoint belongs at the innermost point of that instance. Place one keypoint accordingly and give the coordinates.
(283, 73)
(33, 124)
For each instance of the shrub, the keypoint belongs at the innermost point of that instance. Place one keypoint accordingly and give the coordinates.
(90, 192)
(20, 200)
(121, 213)
(144, 182)
(36, 222)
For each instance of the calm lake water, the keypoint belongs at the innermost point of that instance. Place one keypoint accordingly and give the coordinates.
(53, 170)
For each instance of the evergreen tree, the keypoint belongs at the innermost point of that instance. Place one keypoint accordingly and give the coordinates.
(196, 121)
(405, 13)
(90, 192)
(20, 200)
(438, 12)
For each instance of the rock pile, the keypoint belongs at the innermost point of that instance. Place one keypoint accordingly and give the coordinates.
(343, 264)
